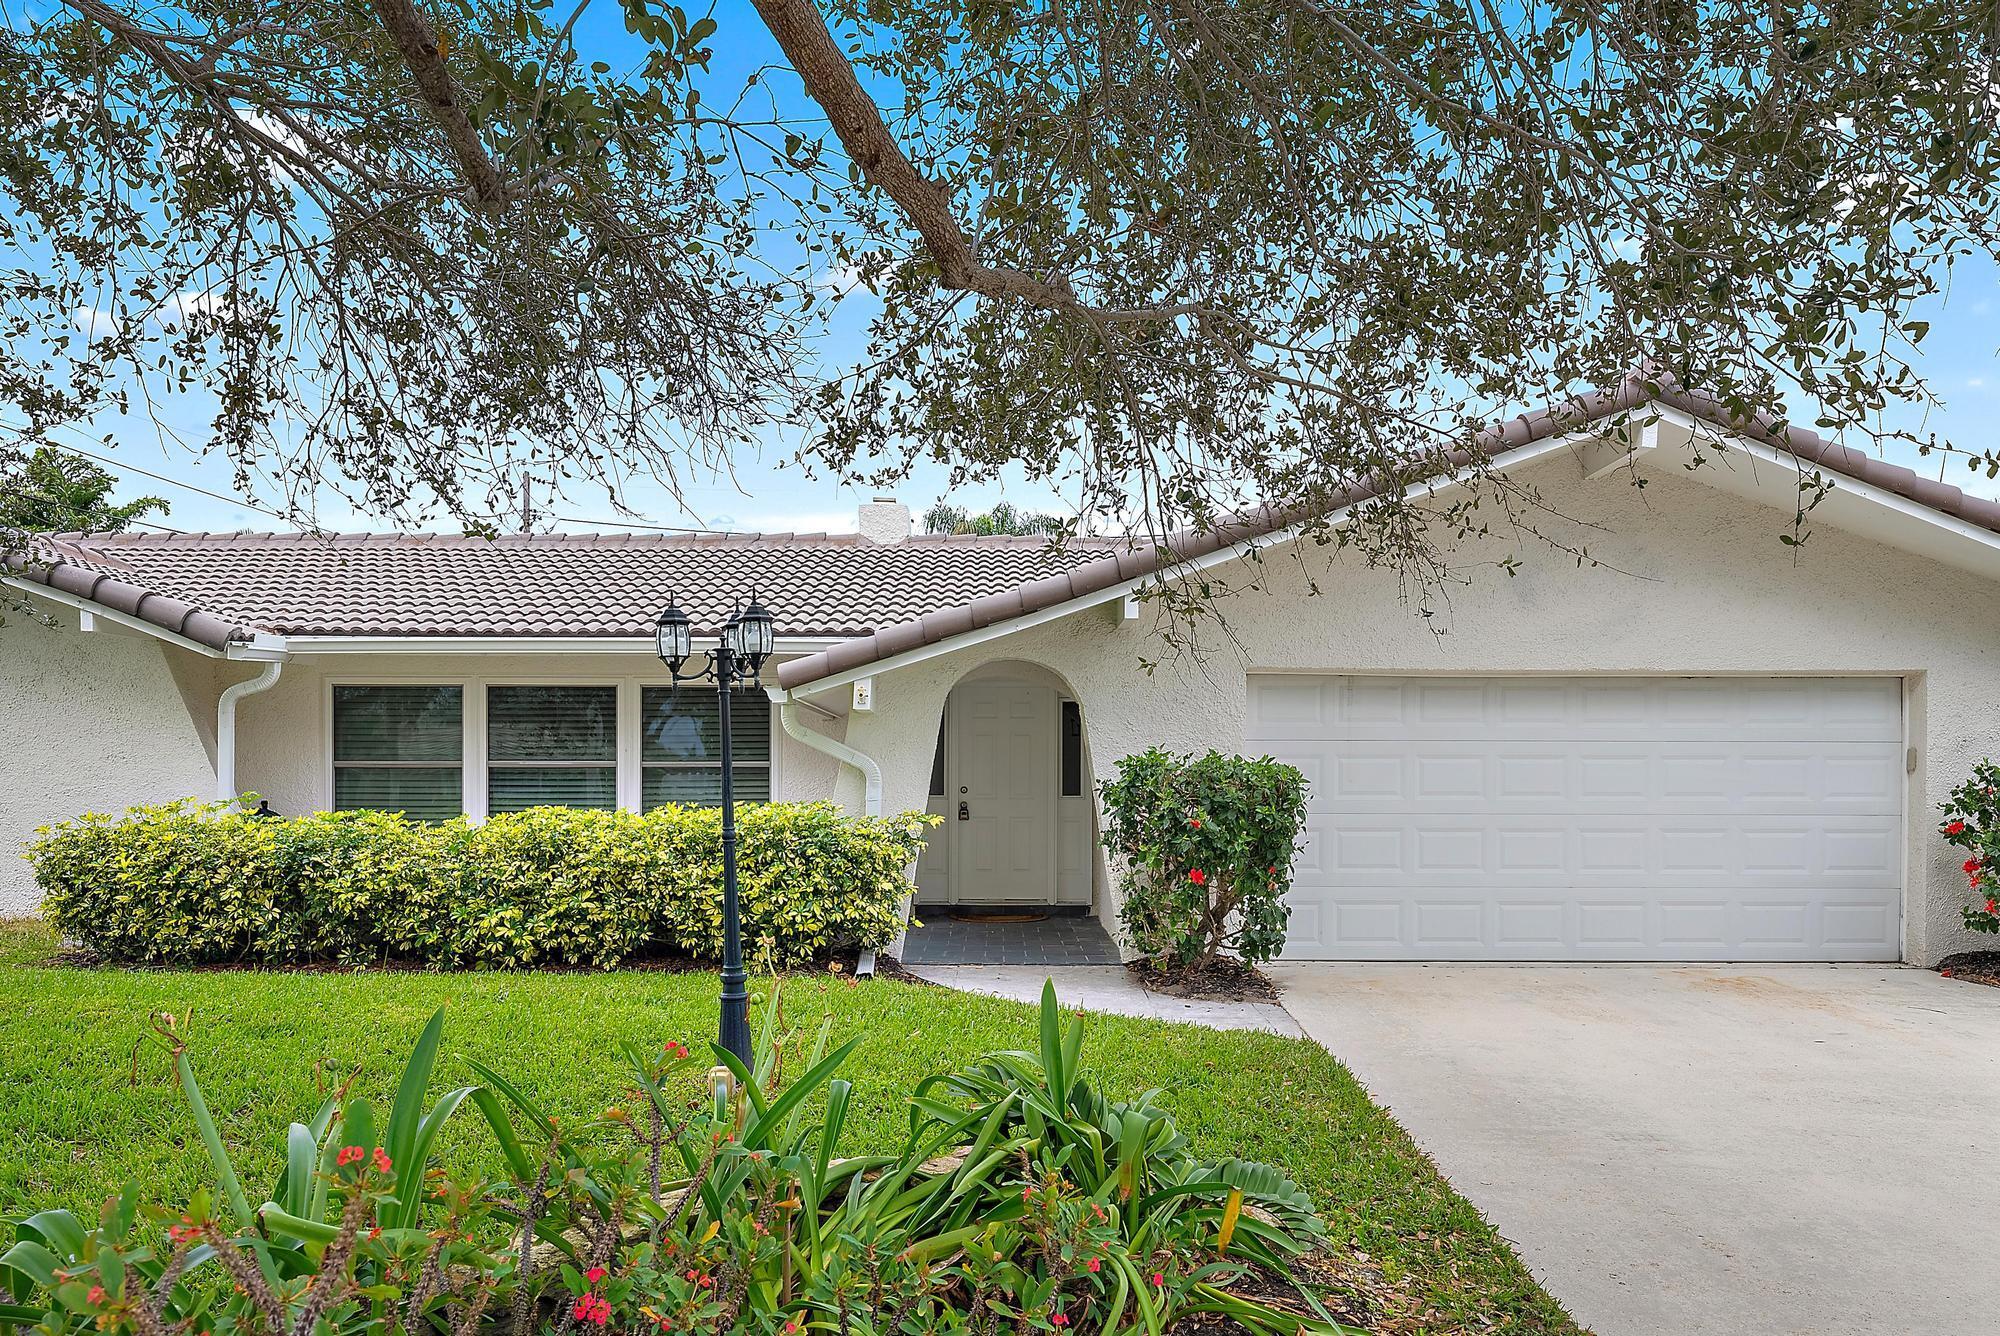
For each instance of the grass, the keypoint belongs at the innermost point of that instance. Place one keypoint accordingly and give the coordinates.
(75, 1124)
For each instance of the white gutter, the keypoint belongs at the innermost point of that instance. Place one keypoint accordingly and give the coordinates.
(225, 727)
(871, 788)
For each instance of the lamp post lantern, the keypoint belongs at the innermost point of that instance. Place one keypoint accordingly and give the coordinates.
(746, 641)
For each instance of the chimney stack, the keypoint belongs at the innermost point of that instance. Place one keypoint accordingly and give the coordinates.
(885, 520)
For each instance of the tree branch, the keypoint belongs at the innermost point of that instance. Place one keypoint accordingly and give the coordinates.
(419, 45)
(828, 75)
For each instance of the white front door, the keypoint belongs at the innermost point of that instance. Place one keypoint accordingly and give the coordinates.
(1000, 793)
(1592, 818)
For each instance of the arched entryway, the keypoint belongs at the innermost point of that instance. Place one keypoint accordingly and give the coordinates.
(1010, 777)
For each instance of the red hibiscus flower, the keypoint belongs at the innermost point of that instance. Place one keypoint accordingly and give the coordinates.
(1198, 877)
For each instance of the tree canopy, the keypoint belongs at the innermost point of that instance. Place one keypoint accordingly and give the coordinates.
(61, 492)
(1168, 257)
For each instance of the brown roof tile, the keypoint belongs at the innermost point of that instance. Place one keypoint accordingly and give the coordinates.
(609, 585)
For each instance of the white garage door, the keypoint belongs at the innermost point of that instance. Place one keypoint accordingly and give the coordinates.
(1597, 818)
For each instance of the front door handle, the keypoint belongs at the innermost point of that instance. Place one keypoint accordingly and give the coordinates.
(965, 811)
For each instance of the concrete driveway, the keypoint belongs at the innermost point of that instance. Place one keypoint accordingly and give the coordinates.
(1742, 1151)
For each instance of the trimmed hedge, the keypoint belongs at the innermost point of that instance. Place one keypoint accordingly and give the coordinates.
(188, 883)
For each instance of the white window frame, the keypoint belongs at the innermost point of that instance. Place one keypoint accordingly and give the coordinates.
(473, 762)
(330, 783)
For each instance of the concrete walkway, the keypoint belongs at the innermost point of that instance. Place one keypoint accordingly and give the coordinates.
(1734, 1151)
(1109, 988)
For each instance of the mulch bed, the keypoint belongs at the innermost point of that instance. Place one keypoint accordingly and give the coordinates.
(1223, 981)
(1973, 967)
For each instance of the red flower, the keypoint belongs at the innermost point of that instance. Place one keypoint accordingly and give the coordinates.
(1971, 865)
(96, 1294)
(1992, 905)
(383, 1163)
(595, 1274)
(350, 1155)
(1195, 821)
(1198, 877)
(1059, 1319)
(676, 1050)
(1945, 972)
(1093, 1265)
(1955, 828)
(591, 1308)
(1159, 1279)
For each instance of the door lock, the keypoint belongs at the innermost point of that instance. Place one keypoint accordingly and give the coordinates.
(965, 811)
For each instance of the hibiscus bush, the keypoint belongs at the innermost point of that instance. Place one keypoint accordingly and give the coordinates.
(1206, 846)
(189, 883)
(1021, 1200)
(1972, 823)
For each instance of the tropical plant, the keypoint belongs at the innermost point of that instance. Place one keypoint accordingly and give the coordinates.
(1206, 846)
(1972, 823)
(1020, 1198)
(189, 883)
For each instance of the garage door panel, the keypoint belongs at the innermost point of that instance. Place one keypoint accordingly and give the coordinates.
(1599, 924)
(1509, 849)
(1688, 709)
(1386, 775)
(1592, 818)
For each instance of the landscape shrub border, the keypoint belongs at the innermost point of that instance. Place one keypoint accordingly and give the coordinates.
(191, 883)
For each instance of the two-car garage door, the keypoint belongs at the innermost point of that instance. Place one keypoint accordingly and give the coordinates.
(1595, 818)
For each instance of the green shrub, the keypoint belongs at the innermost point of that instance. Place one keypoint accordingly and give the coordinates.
(1972, 822)
(189, 884)
(1022, 1199)
(1207, 846)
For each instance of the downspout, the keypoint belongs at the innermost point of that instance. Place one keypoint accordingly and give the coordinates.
(871, 790)
(225, 727)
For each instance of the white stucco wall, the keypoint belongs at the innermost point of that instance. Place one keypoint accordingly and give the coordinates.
(1691, 581)
(94, 723)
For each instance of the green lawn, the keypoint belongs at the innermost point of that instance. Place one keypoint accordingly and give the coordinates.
(74, 1125)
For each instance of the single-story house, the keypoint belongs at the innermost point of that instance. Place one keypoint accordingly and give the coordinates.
(1699, 744)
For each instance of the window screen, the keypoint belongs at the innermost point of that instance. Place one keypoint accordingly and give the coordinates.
(680, 746)
(399, 749)
(1072, 749)
(551, 747)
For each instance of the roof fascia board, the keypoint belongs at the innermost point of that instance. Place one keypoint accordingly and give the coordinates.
(36, 589)
(328, 644)
(1701, 429)
(1533, 450)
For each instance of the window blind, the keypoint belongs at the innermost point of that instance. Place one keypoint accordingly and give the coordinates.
(551, 746)
(399, 749)
(681, 746)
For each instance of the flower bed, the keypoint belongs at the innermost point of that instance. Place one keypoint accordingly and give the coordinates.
(1021, 1199)
(193, 884)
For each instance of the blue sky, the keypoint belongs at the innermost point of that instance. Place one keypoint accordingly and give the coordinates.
(765, 490)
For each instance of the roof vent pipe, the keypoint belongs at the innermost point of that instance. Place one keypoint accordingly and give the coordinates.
(225, 727)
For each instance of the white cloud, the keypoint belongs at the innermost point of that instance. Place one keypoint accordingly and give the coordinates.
(95, 323)
(1975, 382)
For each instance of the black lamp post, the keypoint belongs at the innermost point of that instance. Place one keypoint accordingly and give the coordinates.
(746, 641)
